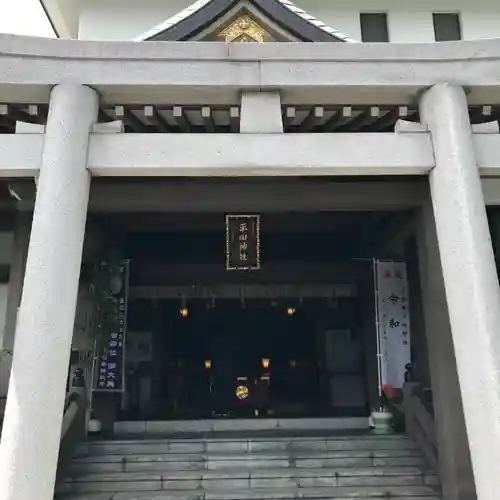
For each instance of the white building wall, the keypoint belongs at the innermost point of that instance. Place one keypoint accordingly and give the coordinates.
(124, 19)
(409, 20)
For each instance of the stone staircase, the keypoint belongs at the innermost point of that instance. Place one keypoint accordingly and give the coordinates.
(355, 466)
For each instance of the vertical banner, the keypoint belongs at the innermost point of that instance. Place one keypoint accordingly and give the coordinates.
(392, 302)
(242, 242)
(110, 366)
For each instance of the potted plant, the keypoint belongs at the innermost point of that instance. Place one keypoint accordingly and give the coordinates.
(381, 418)
(5, 352)
(94, 425)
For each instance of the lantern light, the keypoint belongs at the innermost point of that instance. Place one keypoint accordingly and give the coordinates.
(184, 312)
(208, 364)
(266, 362)
(291, 311)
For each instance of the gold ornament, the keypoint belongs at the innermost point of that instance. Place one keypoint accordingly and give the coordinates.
(242, 392)
(244, 30)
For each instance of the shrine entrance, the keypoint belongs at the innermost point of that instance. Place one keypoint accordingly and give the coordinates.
(253, 357)
(277, 320)
(292, 336)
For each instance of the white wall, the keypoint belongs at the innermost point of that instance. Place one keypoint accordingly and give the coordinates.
(124, 19)
(409, 20)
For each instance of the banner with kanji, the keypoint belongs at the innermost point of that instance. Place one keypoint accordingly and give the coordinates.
(392, 302)
(110, 367)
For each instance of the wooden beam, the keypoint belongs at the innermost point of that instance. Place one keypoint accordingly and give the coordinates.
(313, 119)
(289, 114)
(364, 119)
(153, 118)
(160, 196)
(6, 120)
(105, 116)
(206, 115)
(338, 118)
(129, 119)
(234, 119)
(483, 114)
(390, 118)
(160, 272)
(243, 291)
(248, 195)
(32, 115)
(180, 119)
(305, 222)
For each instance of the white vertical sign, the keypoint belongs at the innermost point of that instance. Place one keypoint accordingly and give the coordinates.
(392, 301)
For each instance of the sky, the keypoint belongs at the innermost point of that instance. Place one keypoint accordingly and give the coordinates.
(24, 17)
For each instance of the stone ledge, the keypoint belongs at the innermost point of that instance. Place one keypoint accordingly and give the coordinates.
(469, 51)
(240, 425)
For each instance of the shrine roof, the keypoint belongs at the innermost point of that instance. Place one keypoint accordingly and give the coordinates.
(201, 14)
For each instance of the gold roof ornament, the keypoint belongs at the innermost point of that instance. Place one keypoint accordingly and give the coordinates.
(244, 30)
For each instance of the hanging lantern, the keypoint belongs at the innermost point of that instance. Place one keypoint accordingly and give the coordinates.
(184, 311)
(208, 364)
(266, 362)
(291, 311)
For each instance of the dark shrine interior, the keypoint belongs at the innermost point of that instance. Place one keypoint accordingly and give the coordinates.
(236, 355)
(210, 348)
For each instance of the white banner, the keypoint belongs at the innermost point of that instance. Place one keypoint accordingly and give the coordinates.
(392, 302)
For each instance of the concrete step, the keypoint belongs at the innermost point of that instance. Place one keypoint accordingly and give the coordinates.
(244, 446)
(264, 467)
(270, 455)
(259, 473)
(264, 479)
(231, 426)
(351, 493)
(160, 483)
(143, 463)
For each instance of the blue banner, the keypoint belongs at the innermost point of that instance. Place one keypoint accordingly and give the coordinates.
(110, 375)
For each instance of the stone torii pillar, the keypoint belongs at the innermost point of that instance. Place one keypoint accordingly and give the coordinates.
(32, 427)
(470, 276)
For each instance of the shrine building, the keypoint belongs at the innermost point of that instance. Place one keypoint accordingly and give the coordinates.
(236, 235)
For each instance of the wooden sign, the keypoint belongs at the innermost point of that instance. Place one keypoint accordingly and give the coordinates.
(242, 242)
